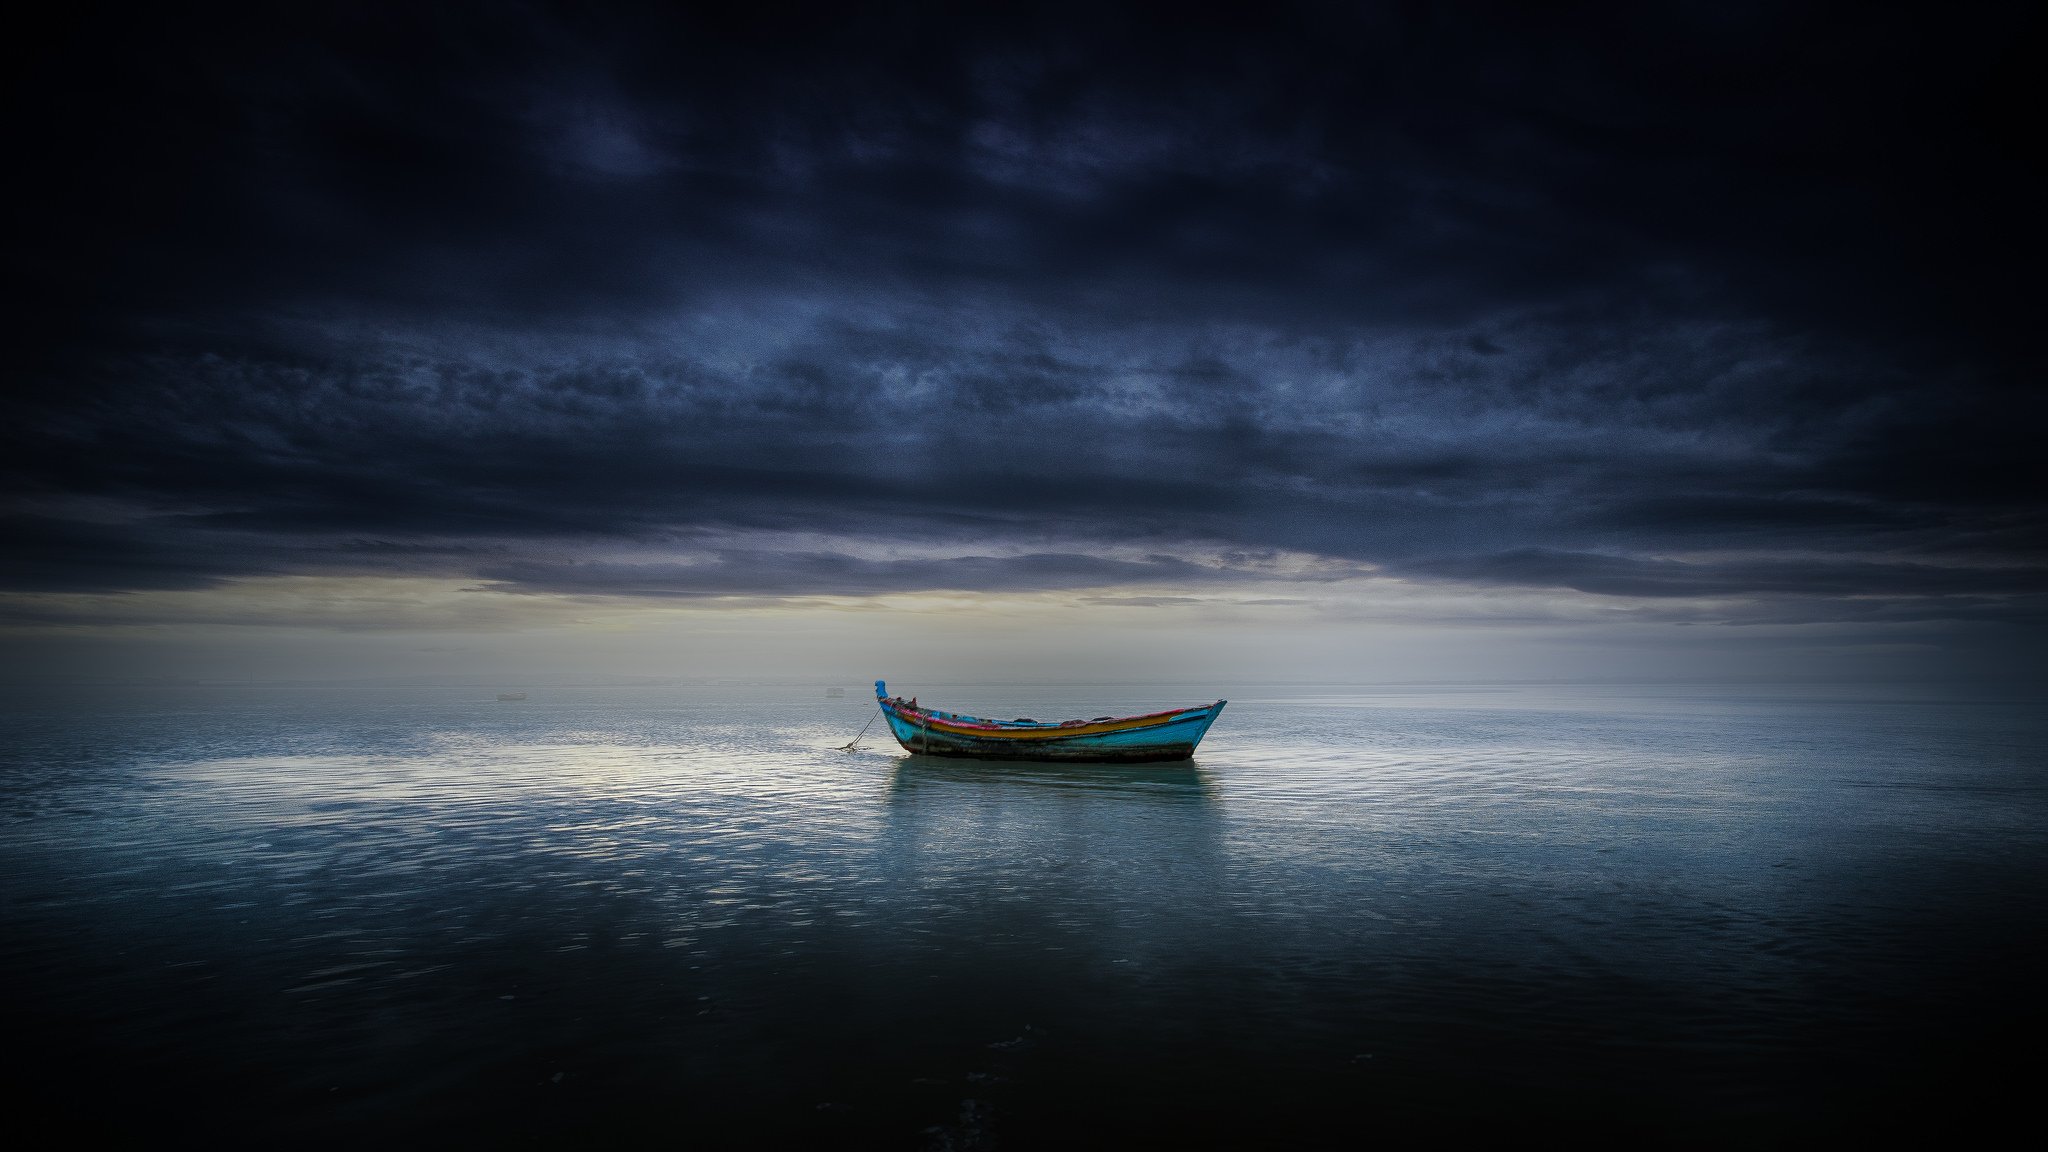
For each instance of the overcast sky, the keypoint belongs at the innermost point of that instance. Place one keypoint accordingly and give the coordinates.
(1340, 340)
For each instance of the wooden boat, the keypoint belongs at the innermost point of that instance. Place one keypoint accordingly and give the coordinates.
(1155, 736)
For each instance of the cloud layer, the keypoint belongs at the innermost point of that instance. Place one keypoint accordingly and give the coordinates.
(1731, 305)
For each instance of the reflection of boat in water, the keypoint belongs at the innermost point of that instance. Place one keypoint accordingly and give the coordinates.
(1171, 781)
(511, 695)
(1105, 739)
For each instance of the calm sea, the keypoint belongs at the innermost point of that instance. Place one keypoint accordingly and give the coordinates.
(1637, 915)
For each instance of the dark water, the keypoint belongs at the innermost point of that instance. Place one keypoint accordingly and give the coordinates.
(679, 916)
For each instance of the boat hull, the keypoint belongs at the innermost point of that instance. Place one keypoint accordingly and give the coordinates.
(1166, 736)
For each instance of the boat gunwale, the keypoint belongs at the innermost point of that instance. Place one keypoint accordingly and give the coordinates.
(1040, 731)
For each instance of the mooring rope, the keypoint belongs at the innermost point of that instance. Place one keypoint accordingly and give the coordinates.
(854, 744)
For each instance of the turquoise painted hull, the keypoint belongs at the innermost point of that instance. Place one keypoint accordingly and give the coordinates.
(1161, 736)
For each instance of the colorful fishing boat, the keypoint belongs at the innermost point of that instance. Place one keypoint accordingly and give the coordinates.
(1155, 736)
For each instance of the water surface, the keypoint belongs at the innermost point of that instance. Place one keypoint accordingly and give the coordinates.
(1673, 915)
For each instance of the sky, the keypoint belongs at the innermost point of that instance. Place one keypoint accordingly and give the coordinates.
(1289, 341)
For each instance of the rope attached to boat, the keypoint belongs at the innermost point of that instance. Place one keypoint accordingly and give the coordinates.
(853, 745)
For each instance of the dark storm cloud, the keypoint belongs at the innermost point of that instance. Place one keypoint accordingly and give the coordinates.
(1612, 304)
(1626, 576)
(50, 554)
(738, 573)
